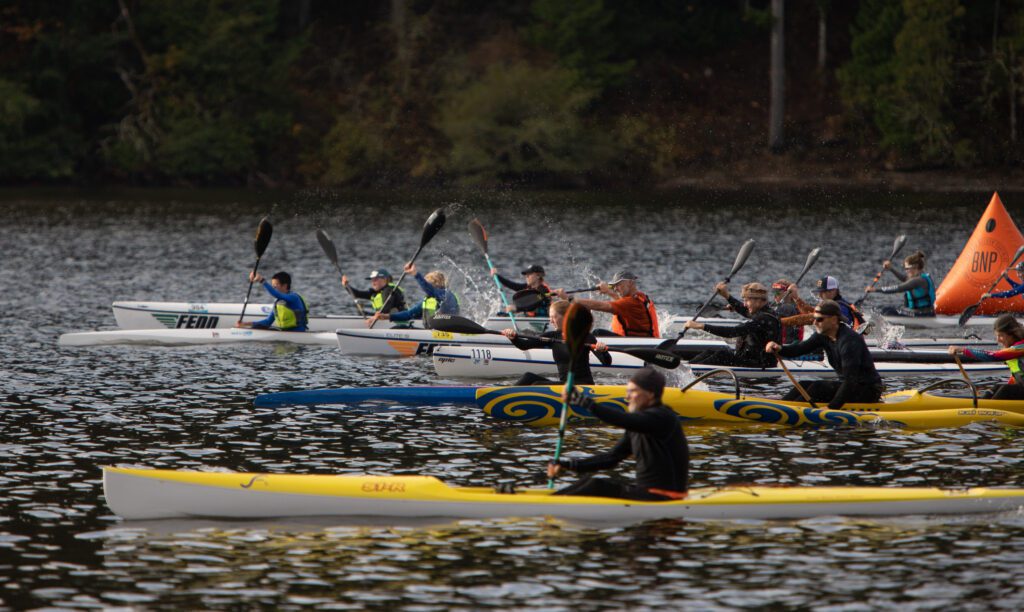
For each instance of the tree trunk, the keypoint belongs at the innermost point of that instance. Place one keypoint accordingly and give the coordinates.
(822, 41)
(399, 30)
(778, 77)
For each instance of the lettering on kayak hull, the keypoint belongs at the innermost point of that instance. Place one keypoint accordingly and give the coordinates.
(197, 322)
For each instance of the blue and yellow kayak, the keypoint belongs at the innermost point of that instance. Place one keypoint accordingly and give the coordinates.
(163, 494)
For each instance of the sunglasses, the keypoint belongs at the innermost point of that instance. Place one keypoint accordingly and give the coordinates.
(819, 319)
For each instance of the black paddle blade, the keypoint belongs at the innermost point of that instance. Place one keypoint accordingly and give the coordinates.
(327, 245)
(897, 245)
(812, 257)
(433, 225)
(479, 234)
(604, 357)
(741, 258)
(527, 299)
(576, 327)
(967, 314)
(662, 359)
(456, 324)
(263, 233)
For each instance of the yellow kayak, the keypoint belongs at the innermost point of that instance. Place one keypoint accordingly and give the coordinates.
(542, 406)
(159, 494)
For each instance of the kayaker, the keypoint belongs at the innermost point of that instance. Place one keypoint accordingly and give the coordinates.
(290, 312)
(534, 276)
(633, 313)
(559, 350)
(653, 437)
(916, 285)
(1015, 288)
(785, 305)
(848, 354)
(763, 327)
(439, 299)
(1010, 337)
(827, 288)
(381, 286)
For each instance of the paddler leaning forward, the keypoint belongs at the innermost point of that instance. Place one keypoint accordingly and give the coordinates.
(1010, 336)
(633, 313)
(653, 437)
(848, 354)
(763, 327)
(559, 350)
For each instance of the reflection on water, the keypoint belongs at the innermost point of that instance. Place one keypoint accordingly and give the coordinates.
(66, 412)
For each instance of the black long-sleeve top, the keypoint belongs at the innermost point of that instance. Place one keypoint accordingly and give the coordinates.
(762, 328)
(511, 284)
(581, 374)
(396, 305)
(653, 436)
(849, 356)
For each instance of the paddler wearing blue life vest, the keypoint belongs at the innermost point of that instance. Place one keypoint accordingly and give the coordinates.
(1010, 336)
(381, 287)
(534, 276)
(290, 312)
(916, 285)
(439, 299)
(653, 438)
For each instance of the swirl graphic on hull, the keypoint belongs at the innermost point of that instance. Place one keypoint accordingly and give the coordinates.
(538, 405)
(782, 414)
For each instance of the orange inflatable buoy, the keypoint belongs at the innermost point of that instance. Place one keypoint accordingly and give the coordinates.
(987, 254)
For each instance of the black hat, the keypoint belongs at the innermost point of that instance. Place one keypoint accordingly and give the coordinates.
(649, 379)
(828, 308)
(534, 269)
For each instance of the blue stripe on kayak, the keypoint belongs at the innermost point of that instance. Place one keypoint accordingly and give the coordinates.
(413, 396)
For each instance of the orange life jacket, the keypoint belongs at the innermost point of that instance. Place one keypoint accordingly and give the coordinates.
(650, 330)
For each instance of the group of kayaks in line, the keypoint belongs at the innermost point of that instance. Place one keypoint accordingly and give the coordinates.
(648, 413)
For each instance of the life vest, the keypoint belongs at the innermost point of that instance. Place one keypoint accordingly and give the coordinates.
(542, 308)
(856, 319)
(377, 299)
(431, 306)
(920, 298)
(650, 331)
(285, 318)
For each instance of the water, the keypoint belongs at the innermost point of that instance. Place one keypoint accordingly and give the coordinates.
(65, 257)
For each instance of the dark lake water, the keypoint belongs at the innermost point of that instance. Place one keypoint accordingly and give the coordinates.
(64, 412)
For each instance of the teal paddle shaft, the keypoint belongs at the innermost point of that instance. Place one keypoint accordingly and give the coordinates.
(501, 291)
(563, 420)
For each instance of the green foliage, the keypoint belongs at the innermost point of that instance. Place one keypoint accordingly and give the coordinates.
(581, 34)
(519, 120)
(355, 150)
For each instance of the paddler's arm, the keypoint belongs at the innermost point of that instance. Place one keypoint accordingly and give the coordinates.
(1015, 289)
(900, 274)
(601, 461)
(905, 286)
(799, 320)
(810, 345)
(509, 283)
(724, 331)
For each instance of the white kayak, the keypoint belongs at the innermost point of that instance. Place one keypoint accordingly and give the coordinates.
(939, 321)
(498, 362)
(212, 315)
(186, 337)
(412, 342)
(137, 494)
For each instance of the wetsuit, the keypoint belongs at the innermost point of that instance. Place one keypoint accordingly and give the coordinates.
(654, 438)
(289, 313)
(541, 309)
(850, 358)
(762, 328)
(581, 374)
(397, 304)
(1014, 388)
(919, 295)
(1015, 289)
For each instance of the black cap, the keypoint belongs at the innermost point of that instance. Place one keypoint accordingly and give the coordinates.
(649, 379)
(534, 269)
(828, 308)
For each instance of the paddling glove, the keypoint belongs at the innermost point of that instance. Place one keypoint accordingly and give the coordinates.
(579, 398)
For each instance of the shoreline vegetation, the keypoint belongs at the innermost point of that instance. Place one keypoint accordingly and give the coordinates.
(536, 94)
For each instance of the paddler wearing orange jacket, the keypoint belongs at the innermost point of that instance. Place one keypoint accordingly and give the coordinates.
(1010, 336)
(633, 313)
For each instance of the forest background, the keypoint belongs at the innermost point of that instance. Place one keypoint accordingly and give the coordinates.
(548, 93)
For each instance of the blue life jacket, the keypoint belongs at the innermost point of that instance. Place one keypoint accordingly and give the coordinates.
(920, 298)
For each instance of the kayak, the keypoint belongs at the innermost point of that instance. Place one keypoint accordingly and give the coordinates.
(139, 494)
(413, 342)
(542, 406)
(496, 362)
(939, 321)
(186, 337)
(212, 315)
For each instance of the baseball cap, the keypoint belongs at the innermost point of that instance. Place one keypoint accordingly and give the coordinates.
(650, 380)
(828, 308)
(622, 275)
(826, 283)
(379, 273)
(534, 269)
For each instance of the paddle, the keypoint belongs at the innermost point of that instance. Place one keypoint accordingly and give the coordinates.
(328, 246)
(263, 233)
(896, 246)
(479, 234)
(529, 299)
(812, 257)
(970, 310)
(797, 385)
(432, 226)
(575, 329)
(461, 325)
(741, 258)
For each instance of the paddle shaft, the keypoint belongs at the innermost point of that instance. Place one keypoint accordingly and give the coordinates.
(394, 290)
(896, 247)
(564, 418)
(501, 291)
(796, 384)
(741, 259)
(248, 293)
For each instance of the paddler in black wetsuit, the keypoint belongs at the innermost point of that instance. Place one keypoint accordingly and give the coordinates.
(534, 276)
(653, 437)
(848, 355)
(763, 327)
(559, 350)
